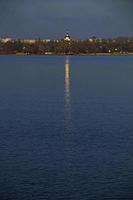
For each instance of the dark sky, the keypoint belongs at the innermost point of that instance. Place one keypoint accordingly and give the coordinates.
(52, 18)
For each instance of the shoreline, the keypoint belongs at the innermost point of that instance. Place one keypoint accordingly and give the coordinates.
(52, 54)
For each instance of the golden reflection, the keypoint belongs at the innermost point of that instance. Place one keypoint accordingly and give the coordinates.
(69, 136)
(67, 95)
(67, 80)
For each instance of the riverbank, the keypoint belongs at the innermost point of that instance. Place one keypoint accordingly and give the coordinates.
(90, 54)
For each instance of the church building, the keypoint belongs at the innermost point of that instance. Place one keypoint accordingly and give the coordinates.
(67, 37)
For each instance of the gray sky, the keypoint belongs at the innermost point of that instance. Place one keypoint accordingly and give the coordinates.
(52, 18)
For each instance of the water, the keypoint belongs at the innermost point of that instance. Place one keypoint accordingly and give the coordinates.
(66, 128)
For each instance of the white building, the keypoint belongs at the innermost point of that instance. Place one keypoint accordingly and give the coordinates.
(5, 40)
(67, 37)
(29, 41)
(46, 40)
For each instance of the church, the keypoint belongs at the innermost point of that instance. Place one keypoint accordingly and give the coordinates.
(67, 37)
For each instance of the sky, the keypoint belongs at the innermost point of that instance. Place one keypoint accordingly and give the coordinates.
(53, 18)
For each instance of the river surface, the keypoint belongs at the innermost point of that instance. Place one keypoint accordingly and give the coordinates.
(66, 128)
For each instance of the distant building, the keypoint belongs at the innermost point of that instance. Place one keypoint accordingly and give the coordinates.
(93, 39)
(5, 40)
(29, 41)
(46, 40)
(90, 40)
(67, 37)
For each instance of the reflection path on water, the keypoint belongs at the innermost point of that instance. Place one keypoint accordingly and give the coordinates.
(69, 133)
(67, 95)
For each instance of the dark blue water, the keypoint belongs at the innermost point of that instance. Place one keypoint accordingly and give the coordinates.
(66, 128)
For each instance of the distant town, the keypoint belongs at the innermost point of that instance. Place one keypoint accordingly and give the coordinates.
(67, 46)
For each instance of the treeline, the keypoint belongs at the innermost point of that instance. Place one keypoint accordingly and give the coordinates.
(112, 46)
